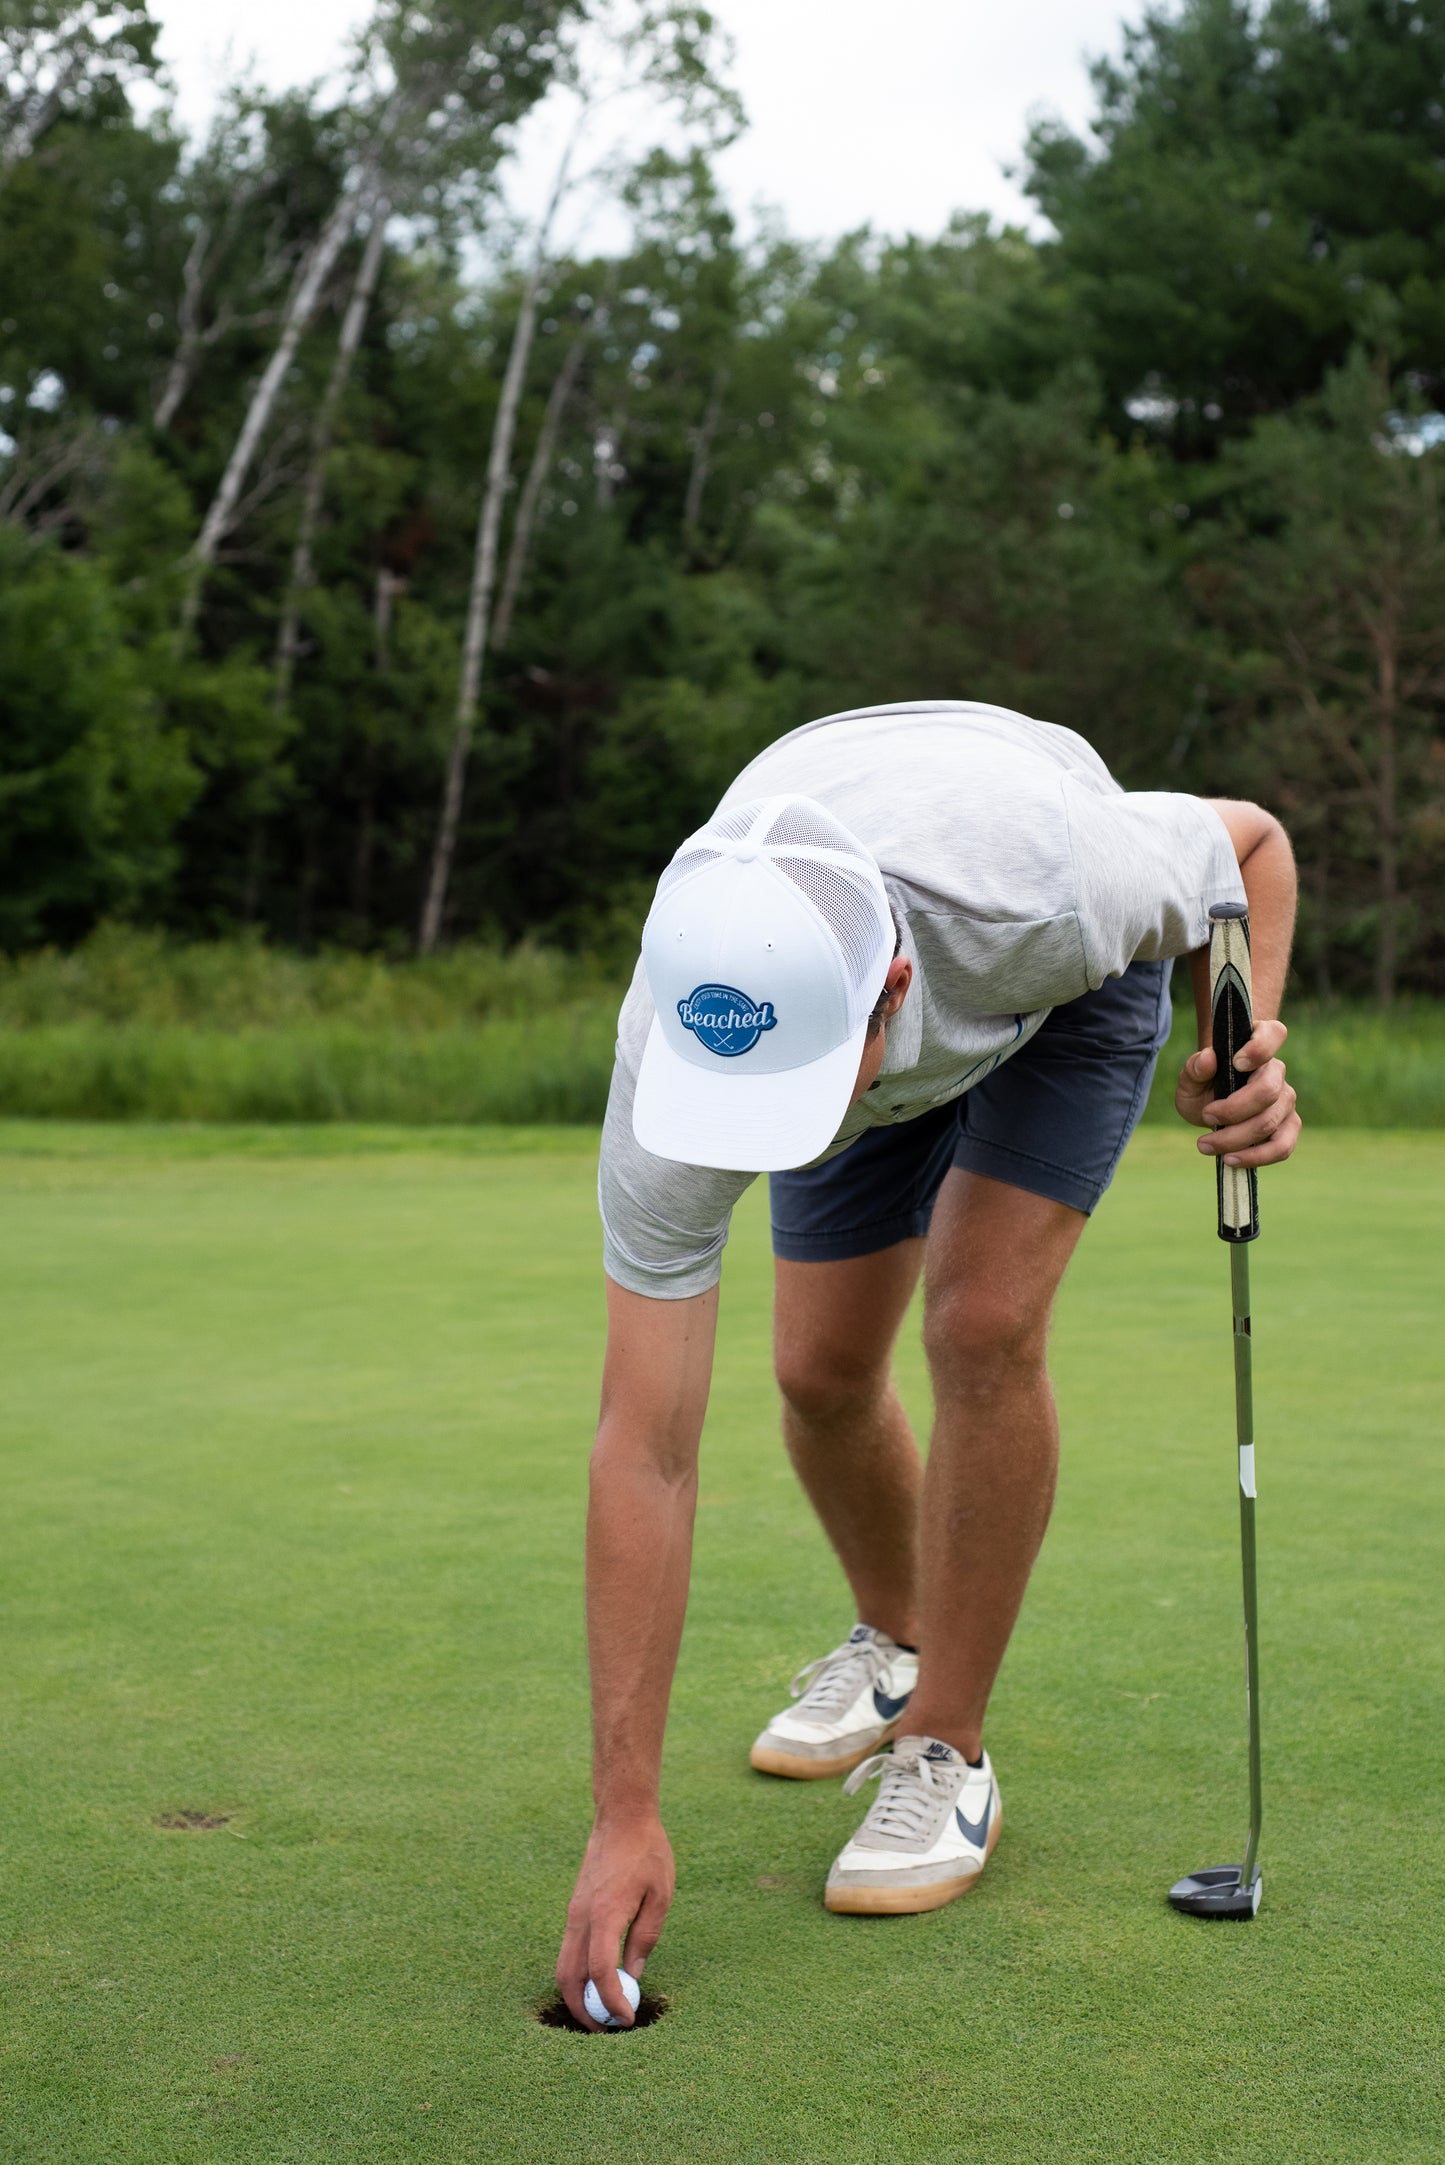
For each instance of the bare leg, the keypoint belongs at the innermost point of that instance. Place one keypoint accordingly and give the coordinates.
(995, 1258)
(846, 1432)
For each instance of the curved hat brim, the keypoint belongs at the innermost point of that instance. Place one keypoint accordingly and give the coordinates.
(739, 1122)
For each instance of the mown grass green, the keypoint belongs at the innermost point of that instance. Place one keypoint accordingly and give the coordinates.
(295, 1443)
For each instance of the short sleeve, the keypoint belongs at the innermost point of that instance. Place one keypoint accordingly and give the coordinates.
(1148, 864)
(664, 1225)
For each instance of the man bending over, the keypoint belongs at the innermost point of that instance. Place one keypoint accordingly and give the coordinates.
(916, 967)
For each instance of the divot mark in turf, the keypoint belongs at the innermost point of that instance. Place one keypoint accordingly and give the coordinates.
(191, 1822)
(555, 2014)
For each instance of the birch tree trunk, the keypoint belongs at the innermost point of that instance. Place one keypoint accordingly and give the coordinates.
(188, 318)
(303, 568)
(193, 338)
(484, 565)
(1387, 939)
(702, 443)
(299, 311)
(542, 459)
(26, 125)
(606, 446)
(388, 587)
(474, 643)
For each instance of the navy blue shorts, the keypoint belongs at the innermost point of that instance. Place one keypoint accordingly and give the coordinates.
(1054, 1120)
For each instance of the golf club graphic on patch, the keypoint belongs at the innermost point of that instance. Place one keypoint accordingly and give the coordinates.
(724, 1020)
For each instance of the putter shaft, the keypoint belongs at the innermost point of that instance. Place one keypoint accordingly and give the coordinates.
(1244, 1427)
(1220, 1890)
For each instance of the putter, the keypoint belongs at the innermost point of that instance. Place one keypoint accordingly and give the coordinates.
(1234, 1890)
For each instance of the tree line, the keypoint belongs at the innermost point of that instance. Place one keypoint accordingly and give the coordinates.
(379, 568)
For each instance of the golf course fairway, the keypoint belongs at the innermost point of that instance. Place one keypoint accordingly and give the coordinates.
(295, 1776)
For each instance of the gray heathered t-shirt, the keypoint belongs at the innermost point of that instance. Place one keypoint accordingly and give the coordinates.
(1021, 876)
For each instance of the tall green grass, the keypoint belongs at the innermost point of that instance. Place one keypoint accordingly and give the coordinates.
(122, 975)
(133, 1026)
(1353, 1067)
(547, 1068)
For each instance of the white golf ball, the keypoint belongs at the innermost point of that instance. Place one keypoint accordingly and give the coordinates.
(592, 2000)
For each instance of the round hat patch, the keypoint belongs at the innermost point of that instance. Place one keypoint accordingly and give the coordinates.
(724, 1020)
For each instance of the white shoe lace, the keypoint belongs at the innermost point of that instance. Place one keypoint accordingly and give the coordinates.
(910, 1790)
(825, 1687)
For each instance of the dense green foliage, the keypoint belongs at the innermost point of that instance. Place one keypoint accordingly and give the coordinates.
(1170, 477)
(295, 1479)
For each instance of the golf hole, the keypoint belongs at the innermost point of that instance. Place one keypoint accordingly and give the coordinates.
(192, 1822)
(555, 2014)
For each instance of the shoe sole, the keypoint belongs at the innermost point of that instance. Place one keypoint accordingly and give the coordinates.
(768, 1759)
(855, 1901)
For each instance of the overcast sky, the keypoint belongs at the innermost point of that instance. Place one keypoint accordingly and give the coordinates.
(860, 111)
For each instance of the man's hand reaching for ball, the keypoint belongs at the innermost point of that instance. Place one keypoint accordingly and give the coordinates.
(1258, 1125)
(622, 1895)
(639, 1546)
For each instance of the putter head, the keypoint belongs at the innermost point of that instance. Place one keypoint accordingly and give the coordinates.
(1216, 1892)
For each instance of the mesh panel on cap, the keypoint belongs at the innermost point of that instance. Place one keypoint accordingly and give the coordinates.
(734, 825)
(690, 861)
(810, 828)
(847, 906)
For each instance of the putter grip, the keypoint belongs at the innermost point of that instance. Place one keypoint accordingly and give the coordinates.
(1231, 1004)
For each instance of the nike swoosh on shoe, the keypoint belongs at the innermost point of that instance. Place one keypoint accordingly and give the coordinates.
(975, 1831)
(889, 1709)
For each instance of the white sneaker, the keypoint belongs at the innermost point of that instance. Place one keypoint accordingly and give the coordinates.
(929, 1835)
(849, 1703)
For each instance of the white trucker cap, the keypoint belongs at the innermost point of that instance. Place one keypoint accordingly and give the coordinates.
(766, 950)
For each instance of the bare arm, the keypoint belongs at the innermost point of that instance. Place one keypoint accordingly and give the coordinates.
(639, 1550)
(1258, 1125)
